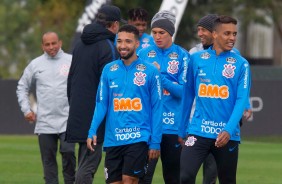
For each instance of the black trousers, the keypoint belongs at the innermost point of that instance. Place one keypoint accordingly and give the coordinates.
(48, 144)
(209, 170)
(209, 167)
(88, 163)
(170, 157)
(195, 151)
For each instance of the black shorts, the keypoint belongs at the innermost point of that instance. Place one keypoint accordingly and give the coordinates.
(125, 160)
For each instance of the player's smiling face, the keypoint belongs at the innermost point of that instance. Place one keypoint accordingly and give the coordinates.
(126, 45)
(51, 44)
(205, 36)
(225, 36)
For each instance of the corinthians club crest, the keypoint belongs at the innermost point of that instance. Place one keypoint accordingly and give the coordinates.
(172, 67)
(139, 79)
(229, 71)
(64, 70)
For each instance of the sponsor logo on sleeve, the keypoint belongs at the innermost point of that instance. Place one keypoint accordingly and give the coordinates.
(185, 69)
(246, 75)
(101, 91)
(159, 86)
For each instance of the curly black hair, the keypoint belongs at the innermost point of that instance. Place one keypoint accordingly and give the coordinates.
(138, 14)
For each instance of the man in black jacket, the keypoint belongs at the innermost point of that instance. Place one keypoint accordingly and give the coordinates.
(90, 55)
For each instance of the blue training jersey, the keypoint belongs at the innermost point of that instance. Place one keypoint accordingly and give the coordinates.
(145, 41)
(130, 97)
(173, 63)
(220, 85)
(200, 47)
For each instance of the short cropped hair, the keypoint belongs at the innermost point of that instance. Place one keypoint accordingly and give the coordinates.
(224, 19)
(138, 14)
(129, 29)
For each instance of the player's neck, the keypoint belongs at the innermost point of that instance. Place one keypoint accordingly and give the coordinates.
(130, 60)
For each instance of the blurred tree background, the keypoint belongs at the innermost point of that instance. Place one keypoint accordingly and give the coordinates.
(22, 25)
(24, 21)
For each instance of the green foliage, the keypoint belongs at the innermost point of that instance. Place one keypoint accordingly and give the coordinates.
(24, 22)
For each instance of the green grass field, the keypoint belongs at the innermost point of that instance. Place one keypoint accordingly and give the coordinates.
(260, 162)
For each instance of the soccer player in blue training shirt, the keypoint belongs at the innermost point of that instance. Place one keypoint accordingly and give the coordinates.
(129, 95)
(172, 61)
(138, 17)
(204, 32)
(219, 81)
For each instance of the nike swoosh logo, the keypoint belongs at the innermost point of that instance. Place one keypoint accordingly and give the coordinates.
(136, 172)
(232, 149)
(177, 145)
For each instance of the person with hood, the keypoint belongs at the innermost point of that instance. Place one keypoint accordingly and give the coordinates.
(49, 73)
(90, 55)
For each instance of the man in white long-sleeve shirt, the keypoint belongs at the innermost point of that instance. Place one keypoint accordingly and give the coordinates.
(49, 73)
